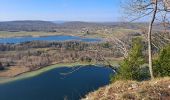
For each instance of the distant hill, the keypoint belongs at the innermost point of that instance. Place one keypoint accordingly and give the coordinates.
(27, 26)
(47, 26)
(79, 24)
(58, 22)
(126, 25)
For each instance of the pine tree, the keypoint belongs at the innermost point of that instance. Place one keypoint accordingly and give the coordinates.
(130, 68)
(162, 63)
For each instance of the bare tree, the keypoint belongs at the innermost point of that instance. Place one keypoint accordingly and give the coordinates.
(151, 8)
(121, 45)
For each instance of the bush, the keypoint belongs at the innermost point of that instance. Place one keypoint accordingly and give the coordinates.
(106, 45)
(130, 68)
(161, 66)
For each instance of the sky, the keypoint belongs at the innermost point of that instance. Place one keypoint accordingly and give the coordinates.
(60, 10)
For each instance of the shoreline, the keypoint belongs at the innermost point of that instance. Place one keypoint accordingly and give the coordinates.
(5, 34)
(37, 72)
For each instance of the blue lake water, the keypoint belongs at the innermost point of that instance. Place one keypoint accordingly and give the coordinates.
(47, 38)
(53, 85)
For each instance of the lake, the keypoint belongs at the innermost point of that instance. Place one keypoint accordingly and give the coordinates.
(47, 38)
(58, 84)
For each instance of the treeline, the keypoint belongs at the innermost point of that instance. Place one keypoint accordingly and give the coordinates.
(43, 44)
(69, 45)
(38, 54)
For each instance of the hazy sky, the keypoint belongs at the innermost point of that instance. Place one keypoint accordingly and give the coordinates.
(69, 10)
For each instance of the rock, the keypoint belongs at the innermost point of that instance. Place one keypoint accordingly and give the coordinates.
(155, 82)
(134, 86)
(130, 88)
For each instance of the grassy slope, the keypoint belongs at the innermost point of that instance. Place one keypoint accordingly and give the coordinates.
(158, 89)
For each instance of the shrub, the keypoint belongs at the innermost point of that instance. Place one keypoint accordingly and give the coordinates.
(1, 67)
(106, 45)
(161, 66)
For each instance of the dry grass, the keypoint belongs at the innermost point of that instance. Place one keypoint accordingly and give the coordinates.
(158, 89)
(13, 71)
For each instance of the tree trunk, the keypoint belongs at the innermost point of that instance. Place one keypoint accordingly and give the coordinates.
(149, 38)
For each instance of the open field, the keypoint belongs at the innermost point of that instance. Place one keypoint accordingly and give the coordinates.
(113, 32)
(5, 34)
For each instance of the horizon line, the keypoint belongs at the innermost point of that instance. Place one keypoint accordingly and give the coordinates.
(74, 21)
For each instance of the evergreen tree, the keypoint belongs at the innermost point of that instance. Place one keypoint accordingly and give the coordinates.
(162, 63)
(130, 68)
